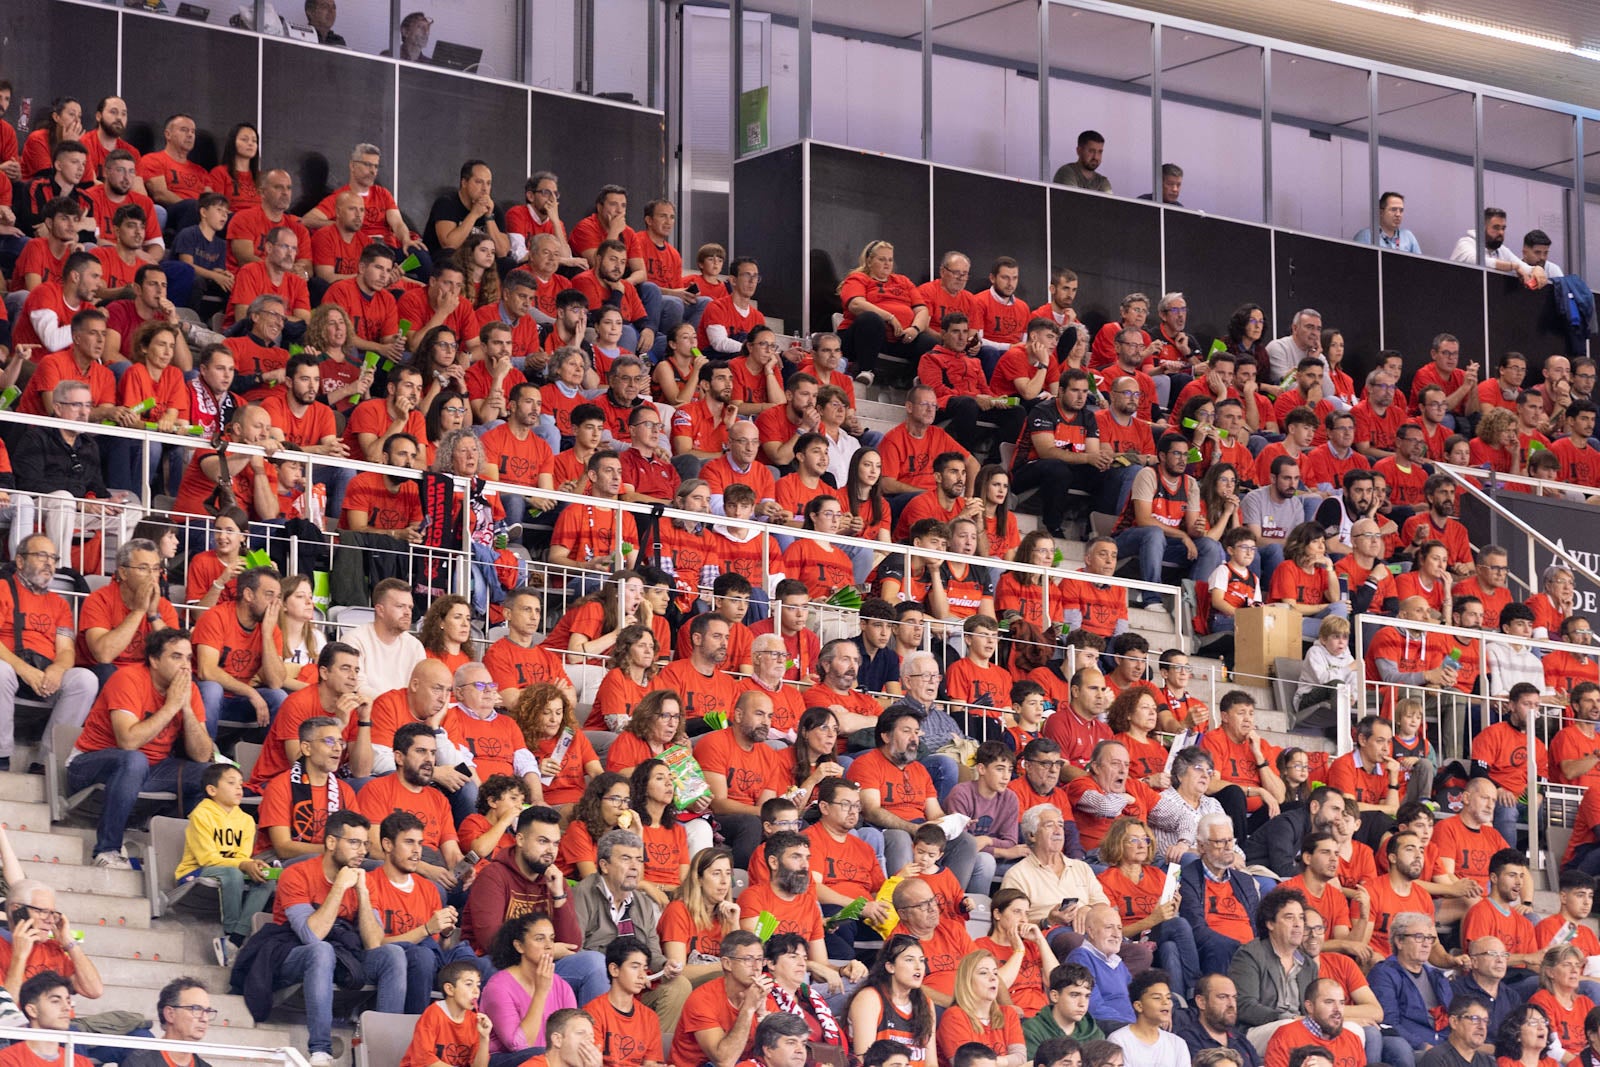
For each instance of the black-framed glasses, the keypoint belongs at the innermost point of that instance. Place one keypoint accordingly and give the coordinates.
(199, 1011)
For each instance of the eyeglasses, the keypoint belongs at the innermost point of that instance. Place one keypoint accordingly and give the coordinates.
(1220, 842)
(482, 687)
(765, 346)
(51, 556)
(1131, 394)
(199, 1011)
(447, 346)
(551, 193)
(931, 902)
(454, 409)
(750, 959)
(1496, 956)
(143, 568)
(1475, 1020)
(333, 742)
(1421, 939)
(49, 916)
(1047, 764)
(788, 824)
(844, 805)
(623, 800)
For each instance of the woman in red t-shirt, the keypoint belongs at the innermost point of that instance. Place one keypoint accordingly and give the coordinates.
(692, 927)
(1134, 884)
(546, 716)
(656, 726)
(999, 538)
(627, 680)
(666, 846)
(605, 806)
(822, 566)
(1497, 444)
(150, 377)
(446, 632)
(868, 514)
(1560, 971)
(211, 574)
(1025, 958)
(1430, 578)
(894, 318)
(977, 1015)
(1305, 579)
(1023, 593)
(238, 173)
(1132, 718)
(1523, 1037)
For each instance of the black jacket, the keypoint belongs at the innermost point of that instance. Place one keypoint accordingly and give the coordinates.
(1186, 1024)
(256, 969)
(1277, 844)
(44, 463)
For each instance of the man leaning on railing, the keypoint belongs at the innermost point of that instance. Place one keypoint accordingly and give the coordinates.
(185, 1012)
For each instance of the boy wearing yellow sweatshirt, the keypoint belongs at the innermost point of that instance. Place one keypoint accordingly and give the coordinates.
(218, 845)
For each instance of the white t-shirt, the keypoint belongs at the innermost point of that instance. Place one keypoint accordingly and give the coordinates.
(1170, 1050)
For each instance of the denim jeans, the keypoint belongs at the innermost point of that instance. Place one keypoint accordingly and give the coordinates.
(423, 960)
(313, 965)
(1154, 548)
(585, 972)
(241, 898)
(1176, 952)
(223, 706)
(125, 775)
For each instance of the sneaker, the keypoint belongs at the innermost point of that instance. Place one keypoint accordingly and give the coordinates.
(321, 1059)
(117, 861)
(224, 950)
(866, 377)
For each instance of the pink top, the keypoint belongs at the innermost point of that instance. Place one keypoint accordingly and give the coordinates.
(505, 1002)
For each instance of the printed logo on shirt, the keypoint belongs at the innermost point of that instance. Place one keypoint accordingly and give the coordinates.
(308, 822)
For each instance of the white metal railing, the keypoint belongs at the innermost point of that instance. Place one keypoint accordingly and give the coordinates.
(1467, 478)
(73, 1039)
(1460, 704)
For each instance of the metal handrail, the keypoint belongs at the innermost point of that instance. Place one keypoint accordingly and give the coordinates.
(70, 1038)
(1464, 478)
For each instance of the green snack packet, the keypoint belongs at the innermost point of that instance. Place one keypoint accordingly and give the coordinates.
(766, 925)
(274, 873)
(1194, 455)
(717, 720)
(321, 590)
(1056, 562)
(9, 397)
(625, 548)
(847, 597)
(409, 264)
(1216, 346)
(257, 558)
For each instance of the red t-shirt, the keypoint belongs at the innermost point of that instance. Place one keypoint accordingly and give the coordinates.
(132, 689)
(373, 317)
(238, 649)
(253, 280)
(377, 202)
(1469, 849)
(388, 794)
(185, 179)
(902, 791)
(625, 1040)
(252, 225)
(439, 1038)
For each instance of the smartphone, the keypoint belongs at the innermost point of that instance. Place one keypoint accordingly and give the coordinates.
(1068, 902)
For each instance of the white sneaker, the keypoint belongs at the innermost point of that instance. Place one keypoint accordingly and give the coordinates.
(321, 1059)
(866, 377)
(117, 861)
(224, 950)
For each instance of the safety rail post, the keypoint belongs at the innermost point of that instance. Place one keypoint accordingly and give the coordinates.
(214, 1051)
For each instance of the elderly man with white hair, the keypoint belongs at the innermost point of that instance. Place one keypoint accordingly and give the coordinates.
(1218, 896)
(1408, 987)
(1061, 890)
(919, 684)
(41, 940)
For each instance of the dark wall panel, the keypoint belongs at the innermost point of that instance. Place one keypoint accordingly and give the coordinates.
(155, 90)
(1341, 281)
(49, 50)
(590, 145)
(316, 106)
(441, 112)
(1217, 265)
(772, 234)
(1522, 321)
(857, 197)
(986, 217)
(1113, 245)
(1426, 297)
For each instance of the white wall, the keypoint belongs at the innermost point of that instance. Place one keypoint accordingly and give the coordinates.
(486, 24)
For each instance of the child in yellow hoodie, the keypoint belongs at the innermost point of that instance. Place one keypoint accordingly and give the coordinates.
(218, 845)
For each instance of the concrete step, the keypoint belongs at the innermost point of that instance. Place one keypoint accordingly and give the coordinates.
(168, 939)
(23, 788)
(234, 1017)
(151, 974)
(77, 878)
(92, 910)
(54, 847)
(15, 815)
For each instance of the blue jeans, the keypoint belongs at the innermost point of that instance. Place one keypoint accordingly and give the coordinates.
(126, 774)
(1311, 625)
(1506, 817)
(585, 972)
(223, 706)
(943, 771)
(312, 966)
(423, 960)
(1176, 952)
(1154, 548)
(1215, 951)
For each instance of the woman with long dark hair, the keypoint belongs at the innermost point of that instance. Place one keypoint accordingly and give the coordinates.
(890, 1002)
(1246, 328)
(237, 175)
(666, 846)
(866, 508)
(525, 990)
(998, 537)
(606, 805)
(476, 259)
(816, 737)
(444, 371)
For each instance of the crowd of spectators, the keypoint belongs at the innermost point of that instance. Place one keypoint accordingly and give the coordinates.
(674, 825)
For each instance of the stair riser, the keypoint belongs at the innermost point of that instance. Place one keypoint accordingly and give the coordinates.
(101, 881)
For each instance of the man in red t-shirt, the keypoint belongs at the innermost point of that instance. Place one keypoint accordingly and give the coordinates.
(146, 731)
(47, 637)
(742, 771)
(273, 275)
(311, 897)
(718, 1020)
(380, 216)
(1503, 748)
(172, 178)
(374, 421)
(410, 911)
(897, 793)
(241, 672)
(411, 788)
(374, 322)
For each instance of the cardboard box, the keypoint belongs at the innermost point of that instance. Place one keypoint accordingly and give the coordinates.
(1261, 635)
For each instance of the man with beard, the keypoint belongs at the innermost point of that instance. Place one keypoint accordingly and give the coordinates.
(1277, 844)
(232, 651)
(382, 503)
(707, 690)
(700, 427)
(524, 880)
(307, 425)
(1576, 748)
(609, 905)
(519, 448)
(844, 863)
(415, 751)
(999, 316)
(840, 665)
(409, 909)
(897, 794)
(118, 186)
(1503, 748)
(296, 805)
(1321, 1025)
(743, 771)
(944, 940)
(1125, 433)
(605, 284)
(335, 696)
(1084, 172)
(789, 895)
(1213, 1018)
(47, 638)
(1496, 255)
(1564, 671)
(312, 897)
